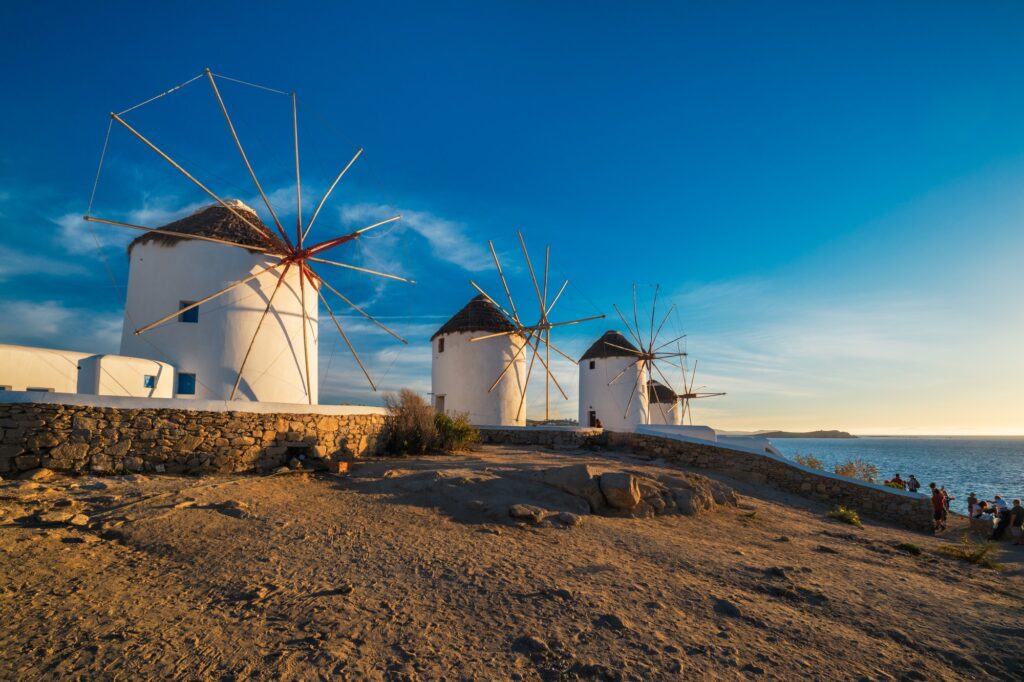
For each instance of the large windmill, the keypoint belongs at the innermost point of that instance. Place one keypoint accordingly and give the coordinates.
(534, 335)
(649, 354)
(284, 251)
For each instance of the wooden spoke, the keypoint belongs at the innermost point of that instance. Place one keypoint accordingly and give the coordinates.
(557, 296)
(238, 143)
(636, 384)
(546, 364)
(636, 321)
(544, 299)
(657, 369)
(498, 334)
(582, 319)
(533, 275)
(511, 362)
(624, 370)
(259, 325)
(223, 291)
(328, 192)
(564, 355)
(305, 342)
(654, 306)
(361, 311)
(298, 175)
(348, 343)
(526, 384)
(359, 269)
(628, 328)
(172, 233)
(654, 338)
(273, 241)
(495, 303)
(337, 241)
(675, 340)
(628, 350)
(504, 283)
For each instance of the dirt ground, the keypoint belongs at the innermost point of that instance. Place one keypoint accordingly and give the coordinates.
(412, 569)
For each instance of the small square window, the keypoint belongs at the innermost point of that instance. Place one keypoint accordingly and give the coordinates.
(440, 345)
(186, 384)
(591, 364)
(149, 381)
(191, 315)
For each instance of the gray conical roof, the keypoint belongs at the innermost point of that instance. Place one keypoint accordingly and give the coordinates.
(212, 221)
(479, 315)
(658, 392)
(601, 349)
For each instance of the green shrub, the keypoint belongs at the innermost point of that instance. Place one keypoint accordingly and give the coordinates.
(858, 468)
(409, 426)
(980, 553)
(809, 461)
(454, 434)
(846, 515)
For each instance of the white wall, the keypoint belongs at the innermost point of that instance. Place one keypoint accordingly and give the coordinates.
(664, 413)
(160, 277)
(609, 402)
(23, 367)
(465, 370)
(64, 371)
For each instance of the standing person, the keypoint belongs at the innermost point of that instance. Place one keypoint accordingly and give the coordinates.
(939, 508)
(998, 505)
(946, 497)
(1003, 518)
(972, 502)
(1017, 523)
(913, 485)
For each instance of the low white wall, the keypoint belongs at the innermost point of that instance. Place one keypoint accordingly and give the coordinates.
(64, 371)
(7, 397)
(24, 367)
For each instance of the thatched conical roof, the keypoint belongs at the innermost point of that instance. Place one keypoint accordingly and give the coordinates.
(601, 349)
(658, 392)
(211, 221)
(479, 315)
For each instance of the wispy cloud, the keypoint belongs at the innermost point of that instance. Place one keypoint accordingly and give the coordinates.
(80, 237)
(15, 263)
(52, 324)
(448, 239)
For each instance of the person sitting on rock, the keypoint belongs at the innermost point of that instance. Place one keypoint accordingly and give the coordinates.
(938, 507)
(898, 482)
(980, 509)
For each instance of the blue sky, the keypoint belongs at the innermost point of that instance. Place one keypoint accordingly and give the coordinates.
(831, 193)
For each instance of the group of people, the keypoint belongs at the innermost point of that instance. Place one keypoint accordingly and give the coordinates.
(1003, 516)
(911, 484)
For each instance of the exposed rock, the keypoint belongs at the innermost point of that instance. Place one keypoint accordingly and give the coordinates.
(577, 479)
(725, 607)
(527, 512)
(37, 475)
(620, 490)
(79, 520)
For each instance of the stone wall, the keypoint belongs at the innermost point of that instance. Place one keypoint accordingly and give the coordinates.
(874, 501)
(107, 440)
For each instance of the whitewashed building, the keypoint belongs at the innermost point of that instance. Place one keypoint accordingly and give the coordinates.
(197, 353)
(208, 344)
(609, 406)
(663, 405)
(463, 371)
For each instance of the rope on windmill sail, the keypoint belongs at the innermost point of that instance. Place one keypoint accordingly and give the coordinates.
(99, 167)
(251, 85)
(162, 94)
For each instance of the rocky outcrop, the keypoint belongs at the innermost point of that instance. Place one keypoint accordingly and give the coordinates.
(107, 440)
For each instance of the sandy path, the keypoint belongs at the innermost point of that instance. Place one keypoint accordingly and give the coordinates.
(305, 577)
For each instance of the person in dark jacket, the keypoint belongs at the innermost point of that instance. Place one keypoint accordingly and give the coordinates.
(1017, 523)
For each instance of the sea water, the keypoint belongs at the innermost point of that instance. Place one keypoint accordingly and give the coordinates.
(986, 466)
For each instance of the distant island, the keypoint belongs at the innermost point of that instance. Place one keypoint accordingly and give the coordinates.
(806, 434)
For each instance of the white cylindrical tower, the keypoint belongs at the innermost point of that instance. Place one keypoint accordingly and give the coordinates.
(208, 344)
(462, 371)
(663, 405)
(610, 406)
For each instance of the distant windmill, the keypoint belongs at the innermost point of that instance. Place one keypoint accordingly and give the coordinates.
(689, 393)
(650, 352)
(534, 335)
